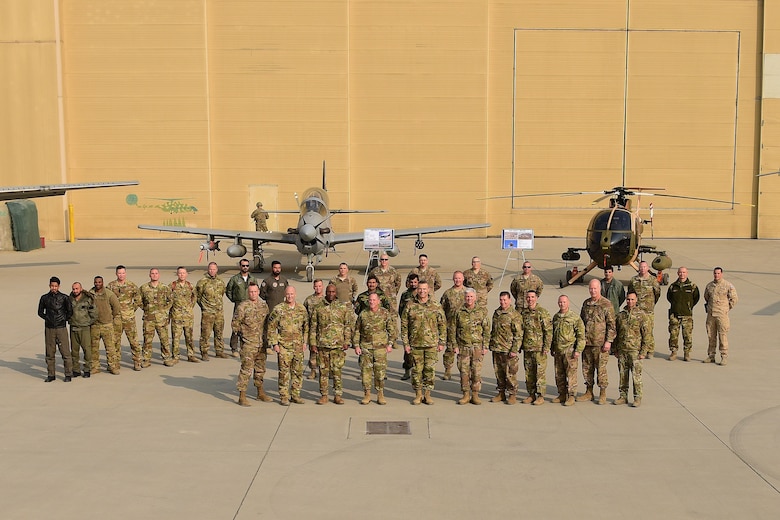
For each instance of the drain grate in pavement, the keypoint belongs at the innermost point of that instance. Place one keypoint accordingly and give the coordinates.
(388, 428)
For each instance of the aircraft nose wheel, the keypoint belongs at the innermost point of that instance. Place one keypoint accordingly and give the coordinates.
(309, 273)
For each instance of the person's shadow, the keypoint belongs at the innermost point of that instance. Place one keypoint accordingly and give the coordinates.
(31, 367)
(220, 388)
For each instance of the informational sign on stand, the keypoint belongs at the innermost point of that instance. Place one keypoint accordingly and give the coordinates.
(378, 239)
(522, 239)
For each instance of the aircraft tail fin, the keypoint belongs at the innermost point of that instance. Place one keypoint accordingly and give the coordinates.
(323, 176)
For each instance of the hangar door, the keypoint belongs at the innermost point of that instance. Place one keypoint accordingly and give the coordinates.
(598, 108)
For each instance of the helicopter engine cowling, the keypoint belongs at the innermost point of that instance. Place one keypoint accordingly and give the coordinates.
(393, 252)
(662, 262)
(236, 250)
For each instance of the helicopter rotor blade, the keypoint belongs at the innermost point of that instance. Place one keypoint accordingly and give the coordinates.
(693, 198)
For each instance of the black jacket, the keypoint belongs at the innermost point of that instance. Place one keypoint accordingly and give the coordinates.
(55, 309)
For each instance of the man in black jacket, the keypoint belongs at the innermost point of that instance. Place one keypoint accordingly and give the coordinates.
(55, 309)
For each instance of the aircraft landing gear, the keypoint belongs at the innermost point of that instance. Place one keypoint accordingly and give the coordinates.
(309, 273)
(257, 255)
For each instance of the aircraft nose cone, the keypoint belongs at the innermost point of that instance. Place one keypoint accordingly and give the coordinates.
(307, 232)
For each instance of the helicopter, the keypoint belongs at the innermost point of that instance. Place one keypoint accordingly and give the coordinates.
(614, 234)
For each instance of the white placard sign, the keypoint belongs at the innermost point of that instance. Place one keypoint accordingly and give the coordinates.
(378, 239)
(517, 239)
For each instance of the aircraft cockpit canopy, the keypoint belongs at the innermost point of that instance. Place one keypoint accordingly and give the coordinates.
(315, 200)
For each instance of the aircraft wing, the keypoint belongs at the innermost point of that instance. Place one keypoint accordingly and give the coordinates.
(343, 238)
(52, 190)
(263, 236)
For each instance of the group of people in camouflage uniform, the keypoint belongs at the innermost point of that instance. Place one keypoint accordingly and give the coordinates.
(335, 318)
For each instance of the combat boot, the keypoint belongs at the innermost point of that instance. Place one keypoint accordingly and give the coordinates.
(284, 401)
(204, 356)
(380, 396)
(529, 399)
(222, 355)
(709, 359)
(673, 355)
(466, 397)
(146, 363)
(561, 398)
(687, 356)
(417, 397)
(366, 396)
(323, 399)
(136, 365)
(539, 400)
(637, 402)
(723, 360)
(447, 374)
(297, 399)
(407, 375)
(242, 398)
(475, 398)
(168, 363)
(337, 399)
(602, 396)
(427, 399)
(588, 395)
(620, 400)
(261, 395)
(312, 374)
(569, 401)
(498, 398)
(192, 359)
(511, 399)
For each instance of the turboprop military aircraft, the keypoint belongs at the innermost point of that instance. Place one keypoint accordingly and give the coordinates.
(53, 190)
(313, 236)
(614, 235)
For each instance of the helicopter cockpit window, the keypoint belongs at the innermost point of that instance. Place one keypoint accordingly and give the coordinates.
(621, 220)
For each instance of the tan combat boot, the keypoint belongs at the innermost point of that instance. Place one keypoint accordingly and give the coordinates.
(569, 401)
(687, 356)
(498, 398)
(427, 399)
(587, 396)
(466, 397)
(380, 396)
(620, 400)
(528, 400)
(242, 398)
(637, 402)
(602, 396)
(709, 359)
(366, 397)
(475, 398)
(447, 374)
(561, 398)
(511, 399)
(723, 360)
(539, 400)
(673, 355)
(323, 399)
(417, 397)
(136, 365)
(261, 395)
(191, 359)
(338, 399)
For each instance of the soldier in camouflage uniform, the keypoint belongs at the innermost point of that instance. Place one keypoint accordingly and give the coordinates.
(330, 336)
(424, 332)
(288, 332)
(612, 289)
(260, 216)
(634, 340)
(527, 281)
(389, 280)
(108, 319)
(410, 294)
(156, 301)
(346, 286)
(236, 291)
(451, 302)
(361, 303)
(479, 280)
(598, 315)
(472, 336)
(84, 315)
(647, 290)
(506, 339)
(537, 338)
(427, 274)
(129, 301)
(182, 317)
(568, 342)
(209, 290)
(720, 297)
(310, 303)
(683, 295)
(249, 322)
(373, 337)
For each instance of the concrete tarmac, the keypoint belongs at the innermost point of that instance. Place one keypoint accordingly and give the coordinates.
(170, 442)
